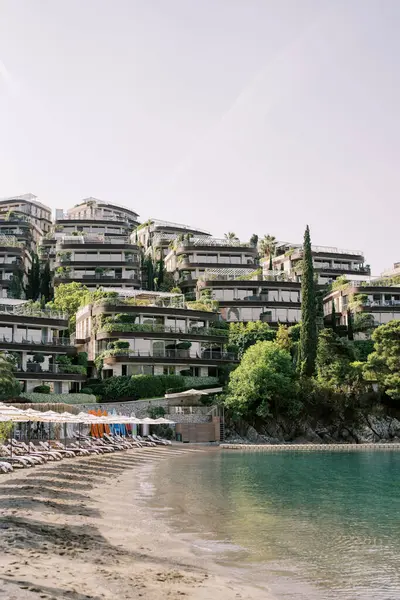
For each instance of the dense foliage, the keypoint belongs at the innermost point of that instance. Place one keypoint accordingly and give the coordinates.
(263, 383)
(145, 386)
(267, 382)
(384, 362)
(244, 335)
(9, 386)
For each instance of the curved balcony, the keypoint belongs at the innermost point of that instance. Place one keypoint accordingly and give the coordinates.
(51, 373)
(174, 356)
(143, 330)
(62, 345)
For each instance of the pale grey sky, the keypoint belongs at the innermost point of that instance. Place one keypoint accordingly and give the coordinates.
(253, 116)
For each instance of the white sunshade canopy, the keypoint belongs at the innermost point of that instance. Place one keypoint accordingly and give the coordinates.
(10, 413)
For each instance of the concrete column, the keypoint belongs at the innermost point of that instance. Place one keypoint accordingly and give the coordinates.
(14, 332)
(24, 361)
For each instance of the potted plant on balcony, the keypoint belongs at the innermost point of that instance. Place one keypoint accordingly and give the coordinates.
(183, 349)
(34, 365)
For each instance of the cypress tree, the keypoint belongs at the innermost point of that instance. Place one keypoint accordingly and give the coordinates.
(33, 287)
(308, 332)
(333, 316)
(16, 289)
(46, 290)
(270, 268)
(350, 331)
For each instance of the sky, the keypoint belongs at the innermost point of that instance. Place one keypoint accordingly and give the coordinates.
(251, 116)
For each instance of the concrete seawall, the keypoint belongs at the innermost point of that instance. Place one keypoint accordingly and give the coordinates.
(310, 447)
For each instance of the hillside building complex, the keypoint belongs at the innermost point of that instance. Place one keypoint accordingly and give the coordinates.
(174, 288)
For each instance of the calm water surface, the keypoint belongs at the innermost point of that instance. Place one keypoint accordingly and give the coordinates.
(315, 525)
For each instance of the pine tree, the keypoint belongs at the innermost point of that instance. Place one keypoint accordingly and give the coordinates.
(350, 331)
(46, 288)
(308, 333)
(33, 287)
(333, 316)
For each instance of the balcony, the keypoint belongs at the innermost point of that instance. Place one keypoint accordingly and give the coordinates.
(10, 241)
(163, 329)
(27, 310)
(94, 217)
(381, 303)
(176, 355)
(63, 345)
(93, 238)
(51, 372)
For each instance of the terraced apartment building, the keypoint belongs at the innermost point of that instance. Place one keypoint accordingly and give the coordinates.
(242, 296)
(329, 263)
(91, 244)
(192, 256)
(371, 303)
(142, 332)
(31, 338)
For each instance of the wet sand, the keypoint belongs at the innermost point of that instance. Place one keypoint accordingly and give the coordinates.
(80, 529)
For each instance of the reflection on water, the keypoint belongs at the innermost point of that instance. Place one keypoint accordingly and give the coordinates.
(330, 519)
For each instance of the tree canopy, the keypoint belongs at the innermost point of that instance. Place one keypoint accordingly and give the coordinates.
(384, 362)
(244, 335)
(263, 383)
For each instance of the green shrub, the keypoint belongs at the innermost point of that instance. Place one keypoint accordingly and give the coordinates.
(42, 389)
(155, 412)
(121, 344)
(73, 398)
(124, 318)
(183, 345)
(82, 359)
(38, 358)
(86, 390)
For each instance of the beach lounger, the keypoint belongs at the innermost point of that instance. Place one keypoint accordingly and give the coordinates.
(63, 453)
(157, 440)
(41, 451)
(145, 442)
(16, 452)
(5, 467)
(76, 451)
(17, 460)
(166, 442)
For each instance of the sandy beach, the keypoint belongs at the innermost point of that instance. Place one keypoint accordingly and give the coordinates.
(80, 530)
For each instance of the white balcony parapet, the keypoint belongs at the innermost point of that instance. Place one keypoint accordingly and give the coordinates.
(211, 241)
(10, 240)
(92, 217)
(92, 238)
(27, 310)
(157, 223)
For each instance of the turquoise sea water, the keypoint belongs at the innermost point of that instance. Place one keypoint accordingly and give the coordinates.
(313, 525)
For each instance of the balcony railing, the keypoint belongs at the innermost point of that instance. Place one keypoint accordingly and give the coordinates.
(144, 327)
(27, 310)
(211, 241)
(32, 367)
(93, 217)
(90, 238)
(383, 303)
(174, 354)
(11, 241)
(298, 252)
(87, 276)
(62, 342)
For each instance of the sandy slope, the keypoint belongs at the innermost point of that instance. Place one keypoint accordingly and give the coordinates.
(78, 530)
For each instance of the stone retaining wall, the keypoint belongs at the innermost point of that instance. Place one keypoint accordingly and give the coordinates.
(310, 447)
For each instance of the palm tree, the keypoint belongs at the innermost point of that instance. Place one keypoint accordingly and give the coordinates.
(268, 245)
(231, 237)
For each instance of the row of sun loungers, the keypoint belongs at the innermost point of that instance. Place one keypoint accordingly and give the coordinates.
(24, 455)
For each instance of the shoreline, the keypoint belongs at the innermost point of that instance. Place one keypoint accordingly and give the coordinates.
(311, 447)
(84, 529)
